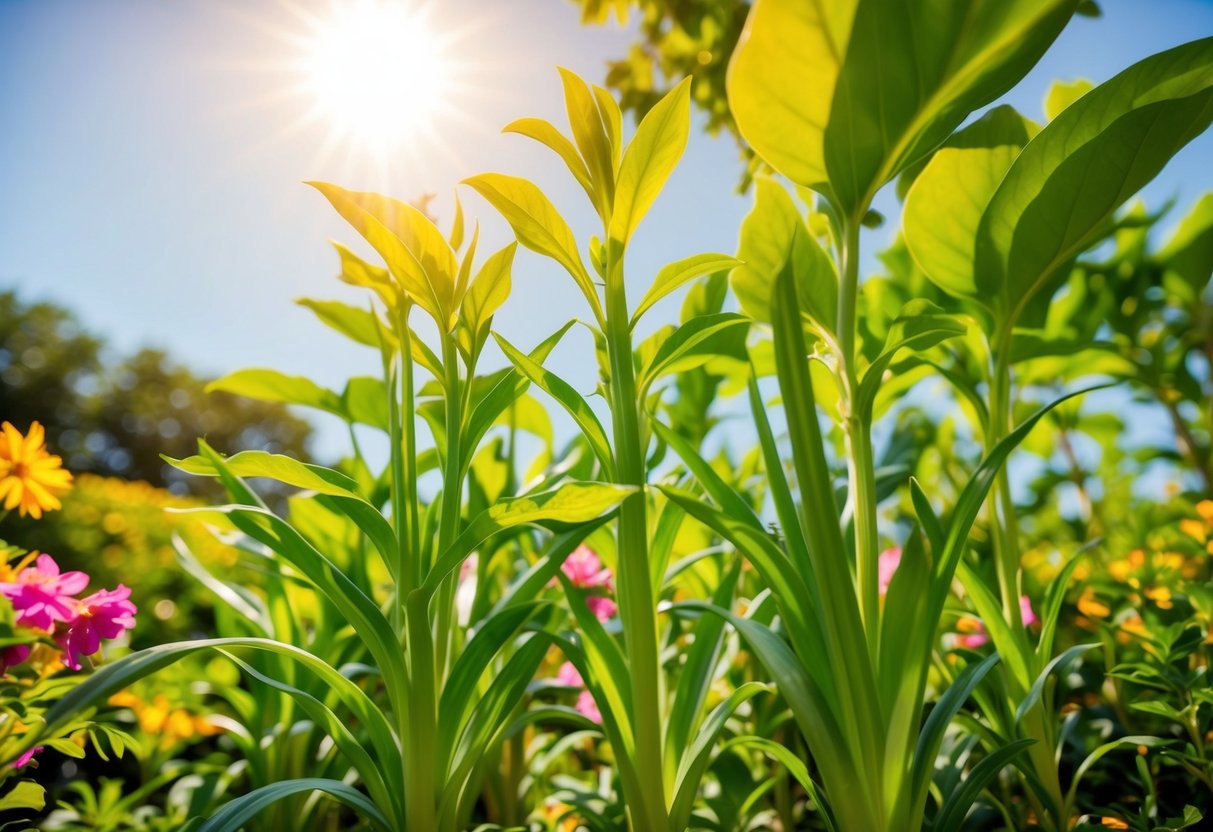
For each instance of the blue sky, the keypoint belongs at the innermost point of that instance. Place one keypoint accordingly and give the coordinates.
(152, 153)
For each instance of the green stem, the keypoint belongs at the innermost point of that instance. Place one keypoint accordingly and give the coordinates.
(420, 770)
(861, 464)
(636, 601)
(452, 495)
(1005, 523)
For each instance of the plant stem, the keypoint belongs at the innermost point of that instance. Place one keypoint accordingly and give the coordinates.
(1005, 525)
(636, 602)
(860, 458)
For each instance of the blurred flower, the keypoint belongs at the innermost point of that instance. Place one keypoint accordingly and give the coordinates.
(890, 559)
(584, 569)
(1026, 612)
(31, 478)
(104, 614)
(24, 759)
(41, 595)
(971, 633)
(602, 607)
(13, 656)
(569, 677)
(1092, 607)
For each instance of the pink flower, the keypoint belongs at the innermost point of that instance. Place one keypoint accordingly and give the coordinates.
(588, 707)
(584, 569)
(104, 614)
(568, 676)
(970, 633)
(41, 595)
(23, 760)
(13, 656)
(890, 559)
(1026, 612)
(602, 607)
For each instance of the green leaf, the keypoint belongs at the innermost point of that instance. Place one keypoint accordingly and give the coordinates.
(538, 225)
(680, 273)
(1189, 251)
(357, 324)
(358, 272)
(772, 234)
(695, 343)
(920, 326)
(781, 82)
(944, 207)
(1064, 93)
(26, 794)
(236, 813)
(273, 386)
(574, 502)
(488, 291)
(283, 469)
(568, 398)
(594, 142)
(1083, 165)
(952, 814)
(695, 762)
(931, 737)
(416, 252)
(913, 72)
(650, 159)
(546, 134)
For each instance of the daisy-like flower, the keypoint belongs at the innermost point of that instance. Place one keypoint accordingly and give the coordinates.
(41, 595)
(104, 614)
(31, 478)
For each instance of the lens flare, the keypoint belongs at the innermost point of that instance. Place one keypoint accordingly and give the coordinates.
(378, 72)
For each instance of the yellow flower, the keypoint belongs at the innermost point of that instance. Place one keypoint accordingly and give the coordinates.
(1091, 606)
(1194, 529)
(31, 479)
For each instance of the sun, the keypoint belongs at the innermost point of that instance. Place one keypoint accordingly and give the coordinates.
(378, 72)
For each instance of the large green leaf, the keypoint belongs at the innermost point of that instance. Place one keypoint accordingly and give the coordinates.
(945, 205)
(283, 469)
(273, 386)
(650, 159)
(781, 81)
(1082, 166)
(913, 72)
(772, 234)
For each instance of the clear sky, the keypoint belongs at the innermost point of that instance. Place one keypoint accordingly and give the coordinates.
(151, 155)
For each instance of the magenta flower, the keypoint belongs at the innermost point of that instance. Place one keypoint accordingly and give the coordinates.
(23, 760)
(104, 614)
(584, 569)
(890, 559)
(13, 656)
(41, 595)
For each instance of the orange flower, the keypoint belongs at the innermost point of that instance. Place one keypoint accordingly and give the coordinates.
(31, 478)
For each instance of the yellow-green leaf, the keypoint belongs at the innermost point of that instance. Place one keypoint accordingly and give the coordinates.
(680, 273)
(1064, 93)
(650, 159)
(537, 224)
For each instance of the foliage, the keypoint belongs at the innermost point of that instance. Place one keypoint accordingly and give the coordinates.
(855, 624)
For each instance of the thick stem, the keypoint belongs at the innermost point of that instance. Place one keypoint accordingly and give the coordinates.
(636, 602)
(861, 465)
(452, 496)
